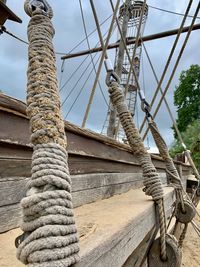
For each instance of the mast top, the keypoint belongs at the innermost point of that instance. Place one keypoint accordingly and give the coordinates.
(135, 9)
(7, 13)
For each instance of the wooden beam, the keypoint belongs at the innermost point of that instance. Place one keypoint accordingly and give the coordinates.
(132, 41)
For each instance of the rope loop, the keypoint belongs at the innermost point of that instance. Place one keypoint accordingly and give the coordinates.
(30, 6)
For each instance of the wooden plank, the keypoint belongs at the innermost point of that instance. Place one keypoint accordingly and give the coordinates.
(15, 168)
(127, 219)
(92, 187)
(80, 141)
(109, 230)
(138, 257)
(10, 217)
(12, 190)
(14, 128)
(11, 150)
(91, 195)
(92, 181)
(85, 188)
(12, 104)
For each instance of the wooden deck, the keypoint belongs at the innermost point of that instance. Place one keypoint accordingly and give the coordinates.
(116, 221)
(110, 231)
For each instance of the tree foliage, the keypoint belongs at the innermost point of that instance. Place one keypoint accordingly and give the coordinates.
(191, 138)
(187, 97)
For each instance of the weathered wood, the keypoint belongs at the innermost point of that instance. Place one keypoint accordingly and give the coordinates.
(110, 230)
(78, 164)
(85, 188)
(130, 41)
(12, 190)
(91, 195)
(15, 167)
(11, 104)
(10, 217)
(138, 257)
(122, 222)
(80, 141)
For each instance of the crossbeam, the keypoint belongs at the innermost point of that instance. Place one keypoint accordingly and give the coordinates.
(130, 41)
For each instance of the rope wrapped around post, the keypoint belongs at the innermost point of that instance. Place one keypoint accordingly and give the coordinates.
(50, 235)
(152, 182)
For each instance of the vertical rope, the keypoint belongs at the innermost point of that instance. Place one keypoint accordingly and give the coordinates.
(152, 182)
(50, 235)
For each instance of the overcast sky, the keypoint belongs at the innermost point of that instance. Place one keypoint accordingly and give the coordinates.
(69, 31)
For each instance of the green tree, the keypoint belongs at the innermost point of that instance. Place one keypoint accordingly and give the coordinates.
(191, 138)
(187, 97)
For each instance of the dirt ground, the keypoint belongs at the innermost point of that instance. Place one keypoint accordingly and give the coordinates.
(191, 248)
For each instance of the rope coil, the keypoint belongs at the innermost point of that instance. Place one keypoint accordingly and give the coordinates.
(50, 235)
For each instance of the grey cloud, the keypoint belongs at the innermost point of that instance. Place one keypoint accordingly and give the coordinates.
(69, 31)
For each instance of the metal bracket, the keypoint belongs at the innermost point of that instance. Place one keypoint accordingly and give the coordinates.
(32, 5)
(146, 108)
(39, 4)
(20, 239)
(112, 76)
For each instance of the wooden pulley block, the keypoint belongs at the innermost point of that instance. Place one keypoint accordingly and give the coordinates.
(198, 192)
(188, 215)
(174, 254)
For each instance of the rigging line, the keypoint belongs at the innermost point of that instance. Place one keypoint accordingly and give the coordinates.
(71, 91)
(61, 74)
(80, 77)
(196, 229)
(74, 72)
(164, 99)
(175, 66)
(168, 60)
(171, 115)
(138, 85)
(71, 76)
(88, 77)
(136, 44)
(128, 55)
(3, 29)
(88, 43)
(102, 23)
(129, 58)
(104, 52)
(172, 12)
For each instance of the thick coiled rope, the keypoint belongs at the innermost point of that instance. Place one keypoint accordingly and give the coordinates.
(50, 236)
(152, 182)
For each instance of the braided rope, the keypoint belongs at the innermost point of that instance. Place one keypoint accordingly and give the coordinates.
(183, 235)
(50, 235)
(152, 182)
(171, 170)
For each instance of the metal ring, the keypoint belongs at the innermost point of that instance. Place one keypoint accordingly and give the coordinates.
(111, 75)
